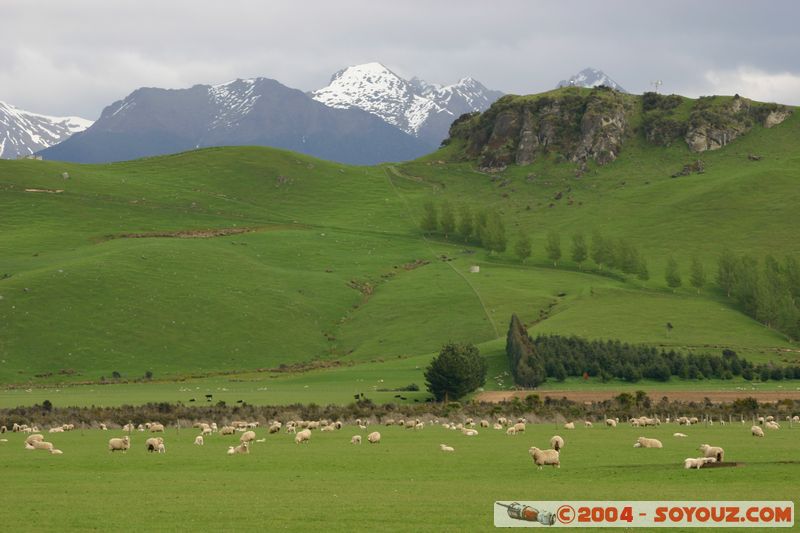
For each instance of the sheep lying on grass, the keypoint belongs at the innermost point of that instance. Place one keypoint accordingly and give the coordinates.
(470, 432)
(544, 457)
(697, 462)
(772, 425)
(115, 444)
(679, 435)
(56, 451)
(374, 437)
(446, 448)
(644, 442)
(42, 445)
(31, 439)
(569, 425)
(556, 442)
(757, 431)
(242, 448)
(713, 451)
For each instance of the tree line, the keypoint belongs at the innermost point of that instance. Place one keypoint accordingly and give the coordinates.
(533, 361)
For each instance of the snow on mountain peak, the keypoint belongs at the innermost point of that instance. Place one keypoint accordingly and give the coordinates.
(406, 104)
(23, 132)
(590, 77)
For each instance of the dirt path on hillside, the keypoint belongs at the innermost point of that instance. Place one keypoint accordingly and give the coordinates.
(600, 395)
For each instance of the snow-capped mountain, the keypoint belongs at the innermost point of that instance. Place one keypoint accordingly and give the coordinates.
(421, 109)
(591, 77)
(259, 111)
(23, 133)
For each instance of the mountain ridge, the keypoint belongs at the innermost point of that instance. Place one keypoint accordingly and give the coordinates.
(23, 133)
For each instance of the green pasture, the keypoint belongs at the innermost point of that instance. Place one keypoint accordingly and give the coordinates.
(402, 484)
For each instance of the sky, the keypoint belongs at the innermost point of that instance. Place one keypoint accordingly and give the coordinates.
(76, 57)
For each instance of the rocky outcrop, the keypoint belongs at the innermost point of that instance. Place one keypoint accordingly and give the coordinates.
(578, 125)
(776, 116)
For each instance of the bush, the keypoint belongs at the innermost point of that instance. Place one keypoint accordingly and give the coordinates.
(456, 371)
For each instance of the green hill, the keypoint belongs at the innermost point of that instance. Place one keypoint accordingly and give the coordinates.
(236, 259)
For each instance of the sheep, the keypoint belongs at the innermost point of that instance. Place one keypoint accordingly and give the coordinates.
(152, 444)
(248, 436)
(56, 451)
(697, 462)
(610, 422)
(302, 436)
(374, 437)
(796, 418)
(31, 439)
(156, 428)
(497, 425)
(772, 425)
(502, 421)
(544, 457)
(511, 431)
(327, 428)
(389, 421)
(519, 427)
(587, 424)
(291, 429)
(446, 448)
(275, 428)
(117, 444)
(227, 430)
(198, 440)
(569, 425)
(680, 435)
(713, 451)
(3, 429)
(103, 427)
(470, 432)
(644, 442)
(42, 445)
(128, 428)
(207, 430)
(313, 425)
(556, 442)
(484, 423)
(241, 448)
(770, 418)
(56, 430)
(355, 439)
(261, 440)
(756, 431)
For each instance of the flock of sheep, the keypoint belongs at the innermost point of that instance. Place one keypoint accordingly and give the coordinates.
(302, 431)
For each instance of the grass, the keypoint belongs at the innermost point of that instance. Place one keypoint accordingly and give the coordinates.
(323, 276)
(340, 487)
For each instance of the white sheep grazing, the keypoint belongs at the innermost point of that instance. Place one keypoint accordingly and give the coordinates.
(713, 451)
(446, 448)
(757, 431)
(544, 457)
(587, 424)
(772, 425)
(207, 430)
(484, 423)
(3, 429)
(374, 437)
(644, 442)
(248, 436)
(556, 442)
(569, 425)
(198, 440)
(511, 431)
(115, 444)
(697, 462)
(103, 427)
(355, 439)
(291, 429)
(152, 444)
(796, 418)
(274, 428)
(420, 425)
(497, 425)
(502, 420)
(610, 422)
(679, 435)
(156, 428)
(302, 436)
(389, 421)
(519, 427)
(227, 430)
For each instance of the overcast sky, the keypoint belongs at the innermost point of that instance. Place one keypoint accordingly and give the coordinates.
(76, 57)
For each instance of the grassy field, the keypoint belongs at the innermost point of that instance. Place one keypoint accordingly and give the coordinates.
(402, 484)
(333, 267)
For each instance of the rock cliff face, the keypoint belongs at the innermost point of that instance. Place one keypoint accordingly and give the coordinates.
(577, 125)
(580, 125)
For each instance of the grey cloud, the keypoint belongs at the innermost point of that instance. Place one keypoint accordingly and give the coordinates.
(76, 57)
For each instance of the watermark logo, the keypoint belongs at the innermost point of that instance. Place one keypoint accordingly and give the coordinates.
(649, 514)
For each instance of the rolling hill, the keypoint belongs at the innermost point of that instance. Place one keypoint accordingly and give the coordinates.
(243, 258)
